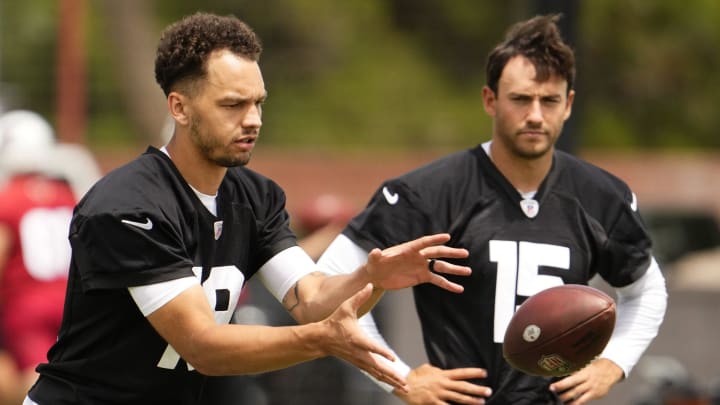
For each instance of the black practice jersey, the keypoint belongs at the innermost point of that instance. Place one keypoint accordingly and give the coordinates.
(143, 224)
(581, 222)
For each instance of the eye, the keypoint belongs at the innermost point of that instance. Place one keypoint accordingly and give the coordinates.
(521, 99)
(232, 104)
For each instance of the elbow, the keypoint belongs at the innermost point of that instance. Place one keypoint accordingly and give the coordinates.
(204, 365)
(305, 302)
(309, 310)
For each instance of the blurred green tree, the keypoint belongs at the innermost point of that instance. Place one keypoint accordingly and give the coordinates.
(391, 73)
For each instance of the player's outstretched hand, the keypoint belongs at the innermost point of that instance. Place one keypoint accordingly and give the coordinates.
(416, 262)
(591, 382)
(346, 340)
(428, 385)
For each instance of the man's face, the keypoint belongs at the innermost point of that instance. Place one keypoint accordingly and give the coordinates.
(226, 109)
(528, 115)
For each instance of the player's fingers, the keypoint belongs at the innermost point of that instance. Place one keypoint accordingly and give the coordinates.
(444, 267)
(565, 384)
(366, 354)
(468, 388)
(429, 240)
(363, 342)
(361, 297)
(446, 284)
(581, 399)
(465, 373)
(460, 398)
(445, 251)
(379, 350)
(570, 396)
(389, 376)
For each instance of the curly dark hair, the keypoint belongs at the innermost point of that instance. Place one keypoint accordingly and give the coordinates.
(185, 45)
(539, 40)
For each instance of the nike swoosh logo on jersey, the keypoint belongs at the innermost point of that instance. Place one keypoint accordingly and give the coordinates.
(391, 198)
(147, 225)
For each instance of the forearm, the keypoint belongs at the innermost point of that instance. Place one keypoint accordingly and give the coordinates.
(188, 324)
(249, 349)
(367, 324)
(317, 295)
(641, 309)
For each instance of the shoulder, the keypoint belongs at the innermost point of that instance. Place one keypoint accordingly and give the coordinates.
(252, 187)
(442, 168)
(248, 178)
(141, 184)
(452, 174)
(408, 205)
(602, 195)
(141, 180)
(589, 180)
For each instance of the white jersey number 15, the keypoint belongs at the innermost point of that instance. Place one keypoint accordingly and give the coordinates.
(517, 275)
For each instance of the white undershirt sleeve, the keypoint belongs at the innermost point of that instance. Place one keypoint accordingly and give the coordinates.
(153, 296)
(640, 311)
(285, 269)
(344, 256)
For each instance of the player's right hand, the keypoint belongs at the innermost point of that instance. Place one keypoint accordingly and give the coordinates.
(346, 340)
(408, 264)
(428, 385)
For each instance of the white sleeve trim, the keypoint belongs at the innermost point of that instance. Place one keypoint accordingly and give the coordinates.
(343, 256)
(285, 269)
(640, 311)
(153, 296)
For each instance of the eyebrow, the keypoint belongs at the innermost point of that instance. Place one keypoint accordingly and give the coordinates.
(233, 98)
(542, 96)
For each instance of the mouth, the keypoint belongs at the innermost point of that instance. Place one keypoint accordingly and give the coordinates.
(532, 133)
(245, 143)
(246, 140)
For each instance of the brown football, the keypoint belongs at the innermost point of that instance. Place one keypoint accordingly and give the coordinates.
(559, 330)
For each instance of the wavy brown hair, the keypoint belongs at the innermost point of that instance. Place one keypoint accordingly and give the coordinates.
(539, 40)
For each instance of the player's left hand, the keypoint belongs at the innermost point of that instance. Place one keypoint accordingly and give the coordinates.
(407, 264)
(591, 382)
(344, 338)
(429, 385)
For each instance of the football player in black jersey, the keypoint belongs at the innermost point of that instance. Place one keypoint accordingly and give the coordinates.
(162, 246)
(532, 217)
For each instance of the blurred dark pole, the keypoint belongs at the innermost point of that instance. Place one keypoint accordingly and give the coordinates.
(71, 102)
(570, 9)
(133, 37)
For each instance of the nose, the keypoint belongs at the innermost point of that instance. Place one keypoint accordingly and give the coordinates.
(253, 117)
(535, 114)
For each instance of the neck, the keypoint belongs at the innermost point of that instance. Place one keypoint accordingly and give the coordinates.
(203, 175)
(524, 174)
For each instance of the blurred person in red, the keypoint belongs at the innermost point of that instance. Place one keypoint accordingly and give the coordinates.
(37, 198)
(320, 219)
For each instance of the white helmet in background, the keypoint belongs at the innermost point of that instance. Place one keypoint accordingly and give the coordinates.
(26, 142)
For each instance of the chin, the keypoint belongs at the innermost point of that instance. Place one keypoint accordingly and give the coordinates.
(234, 161)
(534, 152)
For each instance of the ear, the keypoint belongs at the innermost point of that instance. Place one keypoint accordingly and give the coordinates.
(489, 99)
(178, 108)
(568, 104)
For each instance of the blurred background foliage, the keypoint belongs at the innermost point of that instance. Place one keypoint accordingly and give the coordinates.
(399, 74)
